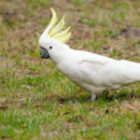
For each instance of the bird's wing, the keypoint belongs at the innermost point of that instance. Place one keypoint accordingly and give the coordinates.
(108, 73)
(133, 65)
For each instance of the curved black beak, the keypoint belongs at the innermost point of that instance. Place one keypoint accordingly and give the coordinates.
(44, 53)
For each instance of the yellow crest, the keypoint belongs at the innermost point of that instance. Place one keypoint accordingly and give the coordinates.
(56, 28)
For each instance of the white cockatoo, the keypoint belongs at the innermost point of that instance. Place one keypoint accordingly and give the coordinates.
(95, 73)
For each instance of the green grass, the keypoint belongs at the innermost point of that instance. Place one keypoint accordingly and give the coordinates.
(37, 101)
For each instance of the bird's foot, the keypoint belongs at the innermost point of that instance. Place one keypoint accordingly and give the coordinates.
(92, 98)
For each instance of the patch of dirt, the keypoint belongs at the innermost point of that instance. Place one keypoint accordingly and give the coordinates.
(6, 62)
(2, 100)
(133, 105)
(4, 138)
(130, 33)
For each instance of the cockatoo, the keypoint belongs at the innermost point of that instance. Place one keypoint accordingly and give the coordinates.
(95, 73)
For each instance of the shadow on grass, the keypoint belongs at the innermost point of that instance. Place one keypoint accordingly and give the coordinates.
(120, 97)
(84, 98)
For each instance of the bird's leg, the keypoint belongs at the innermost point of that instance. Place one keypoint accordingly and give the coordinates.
(92, 97)
(106, 93)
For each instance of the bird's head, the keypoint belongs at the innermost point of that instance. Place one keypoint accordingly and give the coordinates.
(52, 40)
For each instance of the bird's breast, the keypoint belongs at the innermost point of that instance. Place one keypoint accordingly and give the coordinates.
(70, 70)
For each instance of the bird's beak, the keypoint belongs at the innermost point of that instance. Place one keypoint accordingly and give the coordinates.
(44, 53)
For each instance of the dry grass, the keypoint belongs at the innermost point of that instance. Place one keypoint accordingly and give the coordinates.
(36, 101)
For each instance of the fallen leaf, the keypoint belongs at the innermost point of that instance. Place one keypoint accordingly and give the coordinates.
(37, 106)
(138, 125)
(61, 100)
(65, 113)
(3, 107)
(106, 111)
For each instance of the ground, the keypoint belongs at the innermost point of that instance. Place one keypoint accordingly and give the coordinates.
(38, 102)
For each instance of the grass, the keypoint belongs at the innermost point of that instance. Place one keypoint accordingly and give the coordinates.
(38, 102)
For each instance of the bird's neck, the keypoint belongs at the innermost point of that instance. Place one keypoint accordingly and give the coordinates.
(61, 55)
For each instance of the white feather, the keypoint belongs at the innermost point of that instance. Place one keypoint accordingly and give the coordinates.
(97, 73)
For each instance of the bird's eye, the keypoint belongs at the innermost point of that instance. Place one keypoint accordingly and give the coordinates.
(50, 47)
